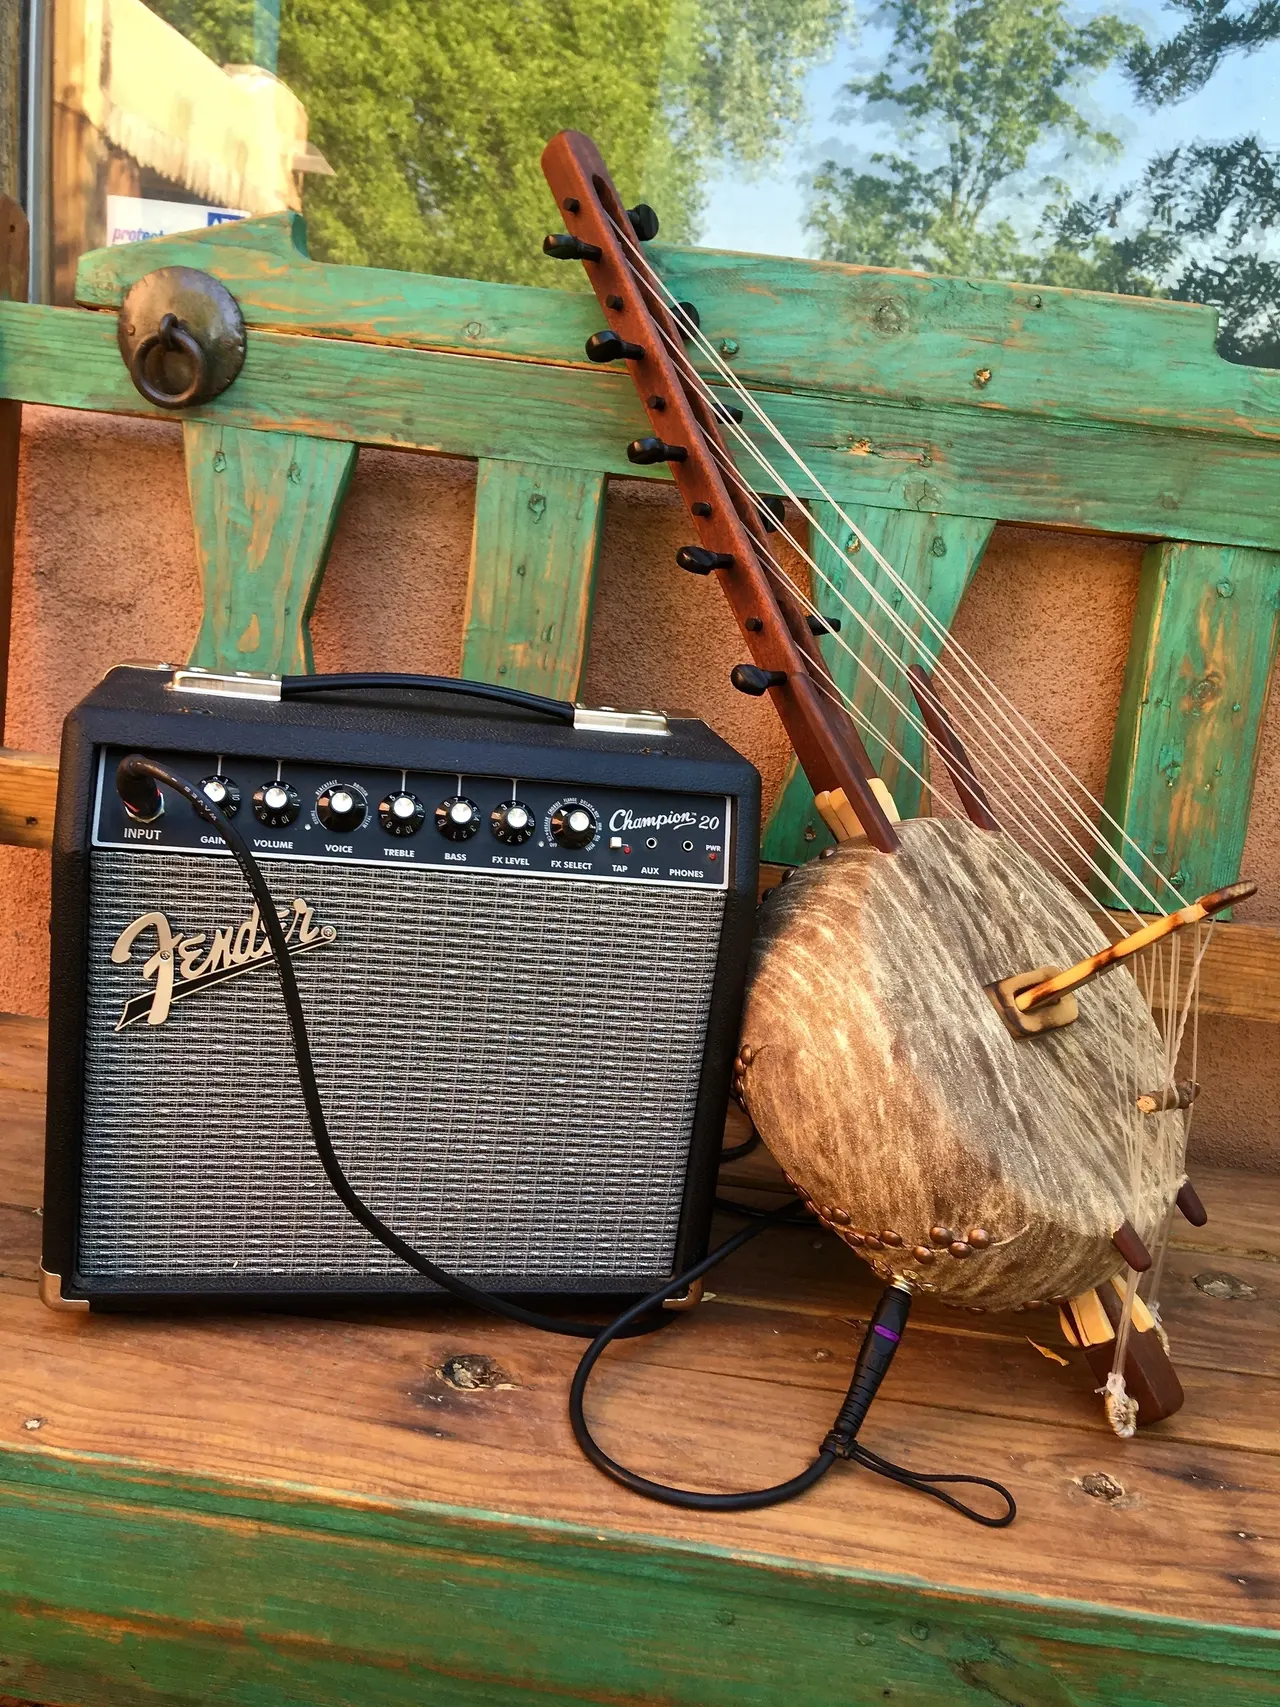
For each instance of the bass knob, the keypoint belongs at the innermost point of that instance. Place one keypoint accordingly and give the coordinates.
(457, 818)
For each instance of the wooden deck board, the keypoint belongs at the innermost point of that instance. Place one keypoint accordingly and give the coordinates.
(350, 1413)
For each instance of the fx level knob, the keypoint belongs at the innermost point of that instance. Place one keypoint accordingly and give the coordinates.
(341, 809)
(512, 822)
(221, 791)
(458, 818)
(401, 814)
(276, 805)
(574, 826)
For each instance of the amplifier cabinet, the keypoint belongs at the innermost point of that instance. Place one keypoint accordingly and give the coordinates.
(521, 949)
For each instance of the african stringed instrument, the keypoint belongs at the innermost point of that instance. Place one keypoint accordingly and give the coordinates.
(960, 1071)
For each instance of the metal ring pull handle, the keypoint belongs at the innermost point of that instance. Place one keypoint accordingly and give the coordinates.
(170, 335)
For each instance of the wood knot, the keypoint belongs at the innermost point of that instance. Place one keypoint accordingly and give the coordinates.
(471, 1371)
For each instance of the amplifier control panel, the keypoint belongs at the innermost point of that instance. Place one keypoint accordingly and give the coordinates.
(287, 809)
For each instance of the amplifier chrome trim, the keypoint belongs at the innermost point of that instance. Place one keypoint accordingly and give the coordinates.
(239, 684)
(605, 720)
(51, 1294)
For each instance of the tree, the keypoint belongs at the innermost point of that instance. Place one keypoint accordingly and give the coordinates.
(1184, 63)
(974, 85)
(434, 116)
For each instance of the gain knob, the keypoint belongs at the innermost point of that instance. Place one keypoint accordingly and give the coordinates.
(401, 814)
(512, 822)
(574, 826)
(458, 818)
(275, 804)
(340, 808)
(221, 791)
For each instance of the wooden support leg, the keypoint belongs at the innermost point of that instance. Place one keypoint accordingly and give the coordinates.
(936, 556)
(264, 507)
(1194, 697)
(13, 288)
(1091, 1322)
(532, 582)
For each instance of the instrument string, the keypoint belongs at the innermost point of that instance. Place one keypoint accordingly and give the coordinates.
(1004, 708)
(995, 757)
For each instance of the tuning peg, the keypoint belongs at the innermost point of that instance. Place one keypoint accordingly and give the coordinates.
(561, 247)
(750, 678)
(607, 346)
(654, 450)
(687, 311)
(644, 221)
(823, 624)
(772, 511)
(701, 562)
(725, 411)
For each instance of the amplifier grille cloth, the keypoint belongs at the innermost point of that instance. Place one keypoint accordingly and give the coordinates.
(509, 1066)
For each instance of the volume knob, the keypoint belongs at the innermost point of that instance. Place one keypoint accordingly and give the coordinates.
(574, 826)
(457, 818)
(512, 822)
(276, 804)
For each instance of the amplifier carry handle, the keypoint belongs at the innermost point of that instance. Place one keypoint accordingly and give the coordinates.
(294, 687)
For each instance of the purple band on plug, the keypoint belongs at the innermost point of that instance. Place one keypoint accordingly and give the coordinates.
(887, 1334)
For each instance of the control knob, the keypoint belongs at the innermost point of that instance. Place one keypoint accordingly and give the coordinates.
(574, 826)
(221, 791)
(512, 822)
(276, 805)
(401, 814)
(340, 808)
(457, 818)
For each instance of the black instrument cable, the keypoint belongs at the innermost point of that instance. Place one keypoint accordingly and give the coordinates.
(137, 782)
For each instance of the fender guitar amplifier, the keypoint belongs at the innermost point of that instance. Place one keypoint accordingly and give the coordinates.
(521, 946)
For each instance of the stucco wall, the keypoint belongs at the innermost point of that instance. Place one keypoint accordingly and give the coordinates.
(106, 571)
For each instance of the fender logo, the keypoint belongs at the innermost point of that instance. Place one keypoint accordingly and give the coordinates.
(182, 966)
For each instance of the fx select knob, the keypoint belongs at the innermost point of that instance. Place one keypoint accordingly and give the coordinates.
(401, 814)
(276, 805)
(512, 822)
(340, 808)
(574, 826)
(458, 818)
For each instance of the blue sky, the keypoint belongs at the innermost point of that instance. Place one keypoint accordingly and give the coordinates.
(766, 215)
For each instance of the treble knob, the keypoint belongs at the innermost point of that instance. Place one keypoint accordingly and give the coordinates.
(654, 450)
(699, 561)
(457, 818)
(401, 814)
(562, 247)
(751, 679)
(607, 346)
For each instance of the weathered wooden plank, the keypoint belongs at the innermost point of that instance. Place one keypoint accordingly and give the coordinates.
(264, 507)
(13, 288)
(28, 792)
(1195, 692)
(936, 557)
(133, 1587)
(794, 324)
(532, 576)
(892, 456)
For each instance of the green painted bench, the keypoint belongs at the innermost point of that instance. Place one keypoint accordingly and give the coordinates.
(274, 1511)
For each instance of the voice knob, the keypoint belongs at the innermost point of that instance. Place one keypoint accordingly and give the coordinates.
(401, 814)
(458, 818)
(574, 826)
(221, 791)
(512, 822)
(340, 809)
(276, 804)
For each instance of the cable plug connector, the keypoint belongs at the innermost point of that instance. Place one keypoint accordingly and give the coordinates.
(879, 1344)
